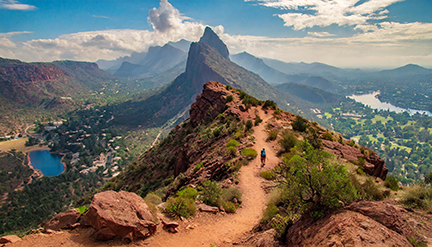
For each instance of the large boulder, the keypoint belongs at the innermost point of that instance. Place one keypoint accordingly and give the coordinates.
(63, 220)
(9, 239)
(363, 223)
(120, 215)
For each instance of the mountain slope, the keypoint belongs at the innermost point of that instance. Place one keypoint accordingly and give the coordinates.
(204, 63)
(311, 94)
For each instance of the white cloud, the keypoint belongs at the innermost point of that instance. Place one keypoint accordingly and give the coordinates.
(320, 34)
(325, 13)
(100, 16)
(15, 5)
(386, 44)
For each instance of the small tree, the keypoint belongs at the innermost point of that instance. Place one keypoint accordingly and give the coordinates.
(288, 140)
(311, 181)
(211, 192)
(299, 124)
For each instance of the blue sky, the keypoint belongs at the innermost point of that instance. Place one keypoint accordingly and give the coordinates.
(344, 33)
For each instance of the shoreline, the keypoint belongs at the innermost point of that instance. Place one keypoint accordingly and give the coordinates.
(35, 171)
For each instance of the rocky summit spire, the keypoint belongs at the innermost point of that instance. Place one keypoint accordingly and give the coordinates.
(210, 38)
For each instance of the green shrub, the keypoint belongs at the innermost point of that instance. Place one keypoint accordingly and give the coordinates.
(232, 151)
(238, 135)
(418, 196)
(299, 124)
(269, 104)
(392, 183)
(269, 175)
(180, 207)
(216, 132)
(228, 87)
(198, 166)
(360, 171)
(288, 140)
(232, 143)
(82, 209)
(250, 153)
(328, 136)
(270, 212)
(232, 193)
(249, 100)
(188, 193)
(311, 181)
(210, 193)
(168, 181)
(153, 198)
(249, 125)
(258, 120)
(277, 111)
(368, 190)
(229, 98)
(272, 135)
(361, 162)
(229, 207)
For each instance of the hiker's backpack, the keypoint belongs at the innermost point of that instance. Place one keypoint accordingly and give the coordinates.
(263, 153)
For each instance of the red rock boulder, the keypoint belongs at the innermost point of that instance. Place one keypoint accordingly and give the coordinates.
(120, 215)
(63, 220)
(374, 165)
(9, 239)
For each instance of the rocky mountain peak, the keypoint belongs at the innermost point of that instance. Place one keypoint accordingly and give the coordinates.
(210, 38)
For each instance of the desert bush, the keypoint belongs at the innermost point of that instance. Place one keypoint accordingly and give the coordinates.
(328, 136)
(216, 132)
(180, 207)
(249, 100)
(269, 175)
(188, 193)
(258, 120)
(231, 193)
(418, 196)
(232, 143)
(270, 212)
(229, 207)
(82, 209)
(277, 111)
(168, 180)
(232, 151)
(249, 125)
(229, 98)
(250, 153)
(210, 192)
(299, 124)
(152, 198)
(392, 183)
(269, 104)
(272, 135)
(228, 87)
(238, 135)
(287, 141)
(198, 166)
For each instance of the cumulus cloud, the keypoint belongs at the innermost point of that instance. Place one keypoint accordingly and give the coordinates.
(167, 22)
(15, 5)
(309, 13)
(383, 44)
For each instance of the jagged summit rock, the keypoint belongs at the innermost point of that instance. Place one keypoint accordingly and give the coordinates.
(210, 38)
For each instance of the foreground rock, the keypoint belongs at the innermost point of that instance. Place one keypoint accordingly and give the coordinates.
(9, 239)
(119, 215)
(63, 220)
(366, 223)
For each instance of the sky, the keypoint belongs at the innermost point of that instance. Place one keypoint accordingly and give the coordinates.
(342, 33)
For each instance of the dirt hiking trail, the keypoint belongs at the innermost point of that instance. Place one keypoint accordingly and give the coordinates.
(217, 229)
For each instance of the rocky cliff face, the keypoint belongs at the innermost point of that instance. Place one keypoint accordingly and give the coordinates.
(210, 38)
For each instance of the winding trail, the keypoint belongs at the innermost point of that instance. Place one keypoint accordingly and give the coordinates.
(217, 229)
(222, 230)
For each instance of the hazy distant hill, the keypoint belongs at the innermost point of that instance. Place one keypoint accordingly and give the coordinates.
(112, 66)
(181, 45)
(275, 76)
(204, 63)
(311, 94)
(407, 70)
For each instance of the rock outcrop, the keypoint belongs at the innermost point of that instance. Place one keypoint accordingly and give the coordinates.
(209, 103)
(210, 38)
(63, 220)
(374, 165)
(365, 223)
(120, 215)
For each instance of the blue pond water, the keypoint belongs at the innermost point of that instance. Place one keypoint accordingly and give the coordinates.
(49, 164)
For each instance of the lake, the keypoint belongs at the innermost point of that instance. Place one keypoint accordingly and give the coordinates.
(372, 101)
(49, 164)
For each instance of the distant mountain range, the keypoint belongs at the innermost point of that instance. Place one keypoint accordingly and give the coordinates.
(207, 60)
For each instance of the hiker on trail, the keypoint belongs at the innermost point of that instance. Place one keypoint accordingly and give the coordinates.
(263, 157)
